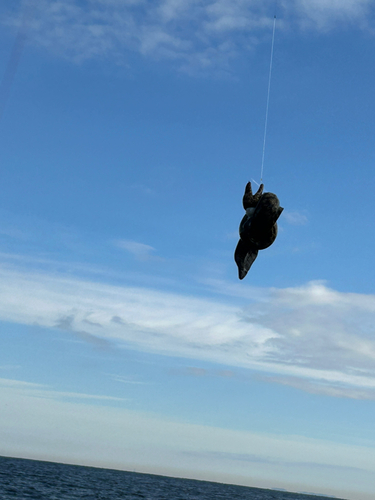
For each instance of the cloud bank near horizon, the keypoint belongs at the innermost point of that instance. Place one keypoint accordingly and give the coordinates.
(310, 337)
(195, 36)
(79, 428)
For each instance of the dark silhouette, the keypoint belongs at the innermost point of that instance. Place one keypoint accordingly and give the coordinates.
(258, 228)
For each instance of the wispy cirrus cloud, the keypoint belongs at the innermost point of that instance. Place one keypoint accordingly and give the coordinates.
(140, 250)
(194, 35)
(295, 218)
(313, 337)
(326, 14)
(195, 371)
(324, 387)
(44, 392)
(125, 380)
(65, 429)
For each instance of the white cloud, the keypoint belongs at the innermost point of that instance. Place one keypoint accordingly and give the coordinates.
(171, 10)
(325, 14)
(326, 388)
(125, 380)
(139, 250)
(295, 218)
(196, 35)
(235, 15)
(309, 333)
(93, 434)
(41, 391)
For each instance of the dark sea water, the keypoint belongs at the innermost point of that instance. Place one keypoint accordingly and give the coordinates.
(31, 479)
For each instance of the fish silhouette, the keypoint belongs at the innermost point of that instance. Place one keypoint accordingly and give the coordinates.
(258, 228)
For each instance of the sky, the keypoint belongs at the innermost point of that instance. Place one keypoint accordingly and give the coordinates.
(128, 131)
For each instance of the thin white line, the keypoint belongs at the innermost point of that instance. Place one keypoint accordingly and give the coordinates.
(268, 99)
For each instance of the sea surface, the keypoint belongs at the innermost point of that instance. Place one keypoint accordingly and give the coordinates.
(31, 479)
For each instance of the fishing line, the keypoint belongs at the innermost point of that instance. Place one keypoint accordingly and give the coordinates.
(268, 98)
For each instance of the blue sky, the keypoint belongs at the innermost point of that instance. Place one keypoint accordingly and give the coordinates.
(128, 132)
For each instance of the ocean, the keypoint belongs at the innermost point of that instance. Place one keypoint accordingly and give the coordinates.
(23, 479)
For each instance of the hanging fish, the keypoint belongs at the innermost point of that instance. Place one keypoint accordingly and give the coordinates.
(258, 228)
